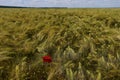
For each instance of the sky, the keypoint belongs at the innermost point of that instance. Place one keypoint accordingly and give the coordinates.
(61, 3)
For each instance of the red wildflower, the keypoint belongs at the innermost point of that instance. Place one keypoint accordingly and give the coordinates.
(47, 59)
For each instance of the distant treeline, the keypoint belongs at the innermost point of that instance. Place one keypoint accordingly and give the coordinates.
(30, 7)
(12, 7)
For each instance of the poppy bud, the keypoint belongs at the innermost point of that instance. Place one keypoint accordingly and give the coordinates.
(47, 59)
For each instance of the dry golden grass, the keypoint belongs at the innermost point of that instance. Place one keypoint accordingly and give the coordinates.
(84, 44)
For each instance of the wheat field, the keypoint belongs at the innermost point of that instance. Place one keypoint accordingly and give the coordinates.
(84, 44)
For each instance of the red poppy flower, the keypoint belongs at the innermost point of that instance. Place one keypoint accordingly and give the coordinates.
(47, 59)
